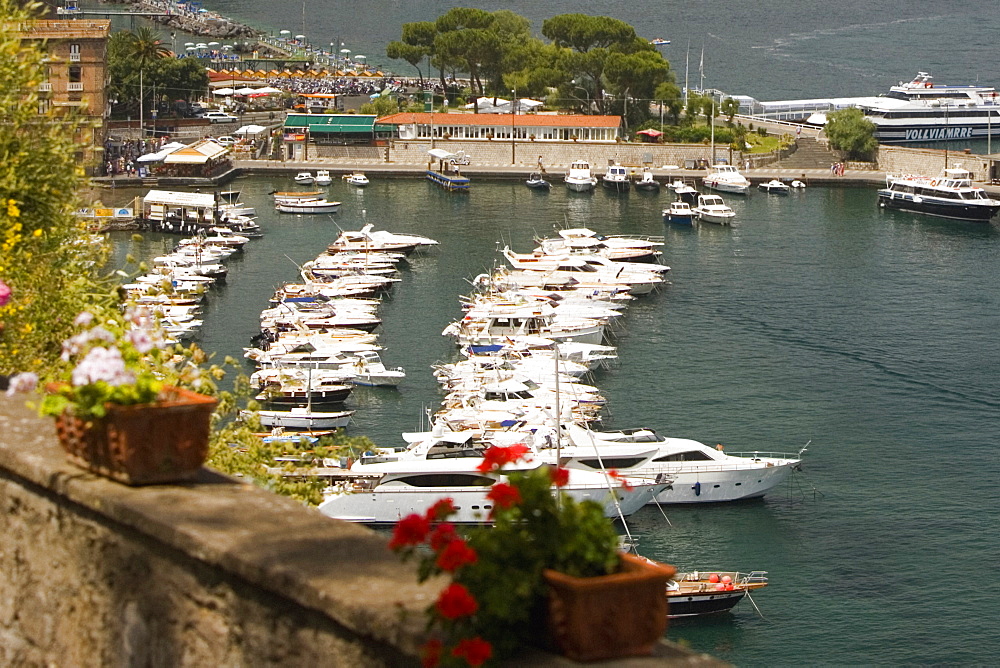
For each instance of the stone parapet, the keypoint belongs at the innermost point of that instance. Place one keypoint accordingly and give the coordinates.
(213, 572)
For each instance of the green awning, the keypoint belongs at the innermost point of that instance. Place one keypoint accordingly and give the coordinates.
(332, 123)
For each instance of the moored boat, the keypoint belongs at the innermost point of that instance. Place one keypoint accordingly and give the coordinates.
(356, 179)
(726, 178)
(578, 178)
(616, 179)
(713, 209)
(951, 195)
(536, 182)
(710, 592)
(679, 212)
(647, 183)
(307, 206)
(774, 187)
(323, 177)
(305, 178)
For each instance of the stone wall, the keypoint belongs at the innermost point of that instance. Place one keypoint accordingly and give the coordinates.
(930, 162)
(557, 155)
(209, 573)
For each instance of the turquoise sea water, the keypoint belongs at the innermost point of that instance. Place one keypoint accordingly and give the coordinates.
(817, 317)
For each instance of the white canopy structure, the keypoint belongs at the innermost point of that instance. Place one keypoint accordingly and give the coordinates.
(246, 90)
(223, 91)
(164, 151)
(198, 153)
(248, 130)
(440, 153)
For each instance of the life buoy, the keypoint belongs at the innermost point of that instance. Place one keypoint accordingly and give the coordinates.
(934, 182)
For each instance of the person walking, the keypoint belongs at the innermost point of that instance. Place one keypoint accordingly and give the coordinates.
(541, 168)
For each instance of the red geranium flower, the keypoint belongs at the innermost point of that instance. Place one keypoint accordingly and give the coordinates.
(626, 485)
(504, 495)
(455, 601)
(411, 530)
(456, 554)
(443, 534)
(441, 510)
(475, 651)
(560, 476)
(430, 653)
(497, 456)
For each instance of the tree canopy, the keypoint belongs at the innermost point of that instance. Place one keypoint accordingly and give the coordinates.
(595, 64)
(849, 131)
(139, 65)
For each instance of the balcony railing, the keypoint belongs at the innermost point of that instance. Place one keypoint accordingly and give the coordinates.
(74, 87)
(45, 87)
(74, 57)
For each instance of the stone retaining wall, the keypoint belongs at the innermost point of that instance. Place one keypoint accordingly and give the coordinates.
(210, 573)
(930, 162)
(558, 154)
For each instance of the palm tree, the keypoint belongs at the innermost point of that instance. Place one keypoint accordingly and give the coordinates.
(145, 47)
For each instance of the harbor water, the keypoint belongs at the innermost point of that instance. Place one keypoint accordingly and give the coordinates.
(816, 318)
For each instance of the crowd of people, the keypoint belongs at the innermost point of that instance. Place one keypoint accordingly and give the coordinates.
(121, 156)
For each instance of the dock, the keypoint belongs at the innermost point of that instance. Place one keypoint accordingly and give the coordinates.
(457, 183)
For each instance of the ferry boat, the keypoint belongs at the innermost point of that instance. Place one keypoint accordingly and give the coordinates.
(919, 110)
(950, 195)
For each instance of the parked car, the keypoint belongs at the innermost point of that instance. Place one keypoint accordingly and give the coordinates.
(219, 117)
(226, 140)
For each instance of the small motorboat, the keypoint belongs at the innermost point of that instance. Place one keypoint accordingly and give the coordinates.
(356, 179)
(684, 191)
(647, 182)
(297, 194)
(616, 179)
(536, 182)
(305, 178)
(713, 209)
(659, 41)
(300, 417)
(323, 177)
(774, 187)
(798, 184)
(306, 206)
(679, 212)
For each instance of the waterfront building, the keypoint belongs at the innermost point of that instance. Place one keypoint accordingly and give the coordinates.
(76, 78)
(547, 127)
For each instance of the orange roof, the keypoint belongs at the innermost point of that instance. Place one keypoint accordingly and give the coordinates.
(519, 120)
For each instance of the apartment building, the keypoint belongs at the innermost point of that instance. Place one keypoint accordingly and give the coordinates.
(76, 78)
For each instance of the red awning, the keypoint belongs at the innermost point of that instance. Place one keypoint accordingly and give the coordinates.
(650, 133)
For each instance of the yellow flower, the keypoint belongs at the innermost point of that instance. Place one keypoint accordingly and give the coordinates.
(12, 209)
(37, 233)
(27, 328)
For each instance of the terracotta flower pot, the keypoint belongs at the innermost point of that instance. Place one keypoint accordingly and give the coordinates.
(162, 442)
(611, 616)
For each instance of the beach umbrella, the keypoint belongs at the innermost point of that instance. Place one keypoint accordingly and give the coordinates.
(300, 37)
(213, 44)
(227, 46)
(192, 48)
(223, 91)
(284, 32)
(269, 90)
(188, 43)
(246, 90)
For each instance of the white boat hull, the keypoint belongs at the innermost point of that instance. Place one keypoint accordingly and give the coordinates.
(720, 486)
(387, 504)
(314, 420)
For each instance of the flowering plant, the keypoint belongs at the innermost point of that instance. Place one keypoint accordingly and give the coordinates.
(495, 602)
(114, 365)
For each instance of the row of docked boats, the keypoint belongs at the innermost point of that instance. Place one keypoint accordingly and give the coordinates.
(579, 178)
(317, 337)
(528, 338)
(175, 287)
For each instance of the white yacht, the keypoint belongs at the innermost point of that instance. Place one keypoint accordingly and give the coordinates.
(323, 177)
(712, 209)
(727, 179)
(699, 473)
(385, 491)
(579, 178)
